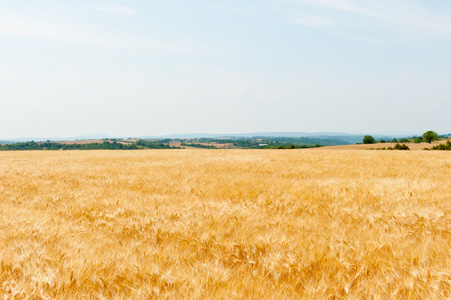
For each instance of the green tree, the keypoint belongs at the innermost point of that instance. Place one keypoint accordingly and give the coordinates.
(368, 139)
(429, 136)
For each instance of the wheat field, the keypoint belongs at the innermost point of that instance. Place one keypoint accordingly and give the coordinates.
(225, 224)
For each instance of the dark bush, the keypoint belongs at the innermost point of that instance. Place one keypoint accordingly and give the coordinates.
(368, 139)
(418, 139)
(446, 146)
(401, 147)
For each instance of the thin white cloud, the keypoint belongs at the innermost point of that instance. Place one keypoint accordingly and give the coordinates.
(312, 21)
(35, 28)
(371, 40)
(241, 89)
(116, 9)
(341, 6)
(27, 27)
(401, 15)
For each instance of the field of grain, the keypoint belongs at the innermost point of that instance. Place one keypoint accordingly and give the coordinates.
(225, 224)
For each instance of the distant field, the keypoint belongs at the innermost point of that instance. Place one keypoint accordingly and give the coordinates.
(225, 224)
(217, 145)
(412, 146)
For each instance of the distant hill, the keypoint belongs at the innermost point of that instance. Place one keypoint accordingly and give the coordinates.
(244, 135)
(257, 134)
(345, 137)
(98, 136)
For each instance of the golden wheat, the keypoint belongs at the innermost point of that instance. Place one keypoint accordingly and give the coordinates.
(225, 224)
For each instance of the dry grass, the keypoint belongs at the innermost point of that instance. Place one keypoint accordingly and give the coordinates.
(225, 224)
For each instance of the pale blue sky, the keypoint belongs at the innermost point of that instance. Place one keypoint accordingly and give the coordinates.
(135, 68)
